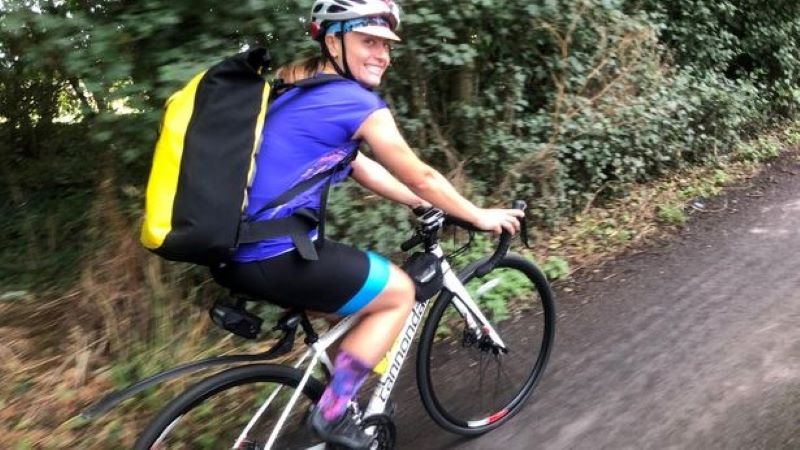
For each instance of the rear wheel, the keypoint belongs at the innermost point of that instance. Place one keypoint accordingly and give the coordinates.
(468, 385)
(215, 412)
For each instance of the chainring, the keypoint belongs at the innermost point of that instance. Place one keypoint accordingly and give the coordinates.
(384, 431)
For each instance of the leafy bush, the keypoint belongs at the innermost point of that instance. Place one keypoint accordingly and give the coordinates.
(742, 39)
(556, 102)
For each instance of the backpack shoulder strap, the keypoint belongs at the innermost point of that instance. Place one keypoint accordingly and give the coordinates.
(319, 79)
(279, 86)
(306, 184)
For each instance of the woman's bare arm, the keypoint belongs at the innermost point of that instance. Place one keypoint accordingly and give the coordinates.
(391, 150)
(373, 176)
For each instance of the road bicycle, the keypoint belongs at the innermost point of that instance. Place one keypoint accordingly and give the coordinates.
(485, 343)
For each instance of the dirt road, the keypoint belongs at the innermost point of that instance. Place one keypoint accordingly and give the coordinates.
(693, 344)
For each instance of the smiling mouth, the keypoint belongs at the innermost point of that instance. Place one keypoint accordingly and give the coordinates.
(375, 70)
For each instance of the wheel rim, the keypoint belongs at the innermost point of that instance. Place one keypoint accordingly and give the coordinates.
(472, 387)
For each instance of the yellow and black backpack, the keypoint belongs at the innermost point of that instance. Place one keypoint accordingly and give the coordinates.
(205, 160)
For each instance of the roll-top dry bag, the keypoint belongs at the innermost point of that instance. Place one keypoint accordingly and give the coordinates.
(204, 159)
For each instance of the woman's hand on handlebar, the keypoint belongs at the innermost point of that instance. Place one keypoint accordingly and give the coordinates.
(499, 220)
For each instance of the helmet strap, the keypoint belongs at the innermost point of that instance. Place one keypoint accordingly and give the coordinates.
(347, 72)
(343, 72)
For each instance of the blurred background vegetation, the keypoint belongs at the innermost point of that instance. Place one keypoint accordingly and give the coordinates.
(565, 103)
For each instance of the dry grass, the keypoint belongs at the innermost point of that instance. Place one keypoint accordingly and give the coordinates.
(57, 356)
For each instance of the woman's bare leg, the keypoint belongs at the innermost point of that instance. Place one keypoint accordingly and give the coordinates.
(381, 319)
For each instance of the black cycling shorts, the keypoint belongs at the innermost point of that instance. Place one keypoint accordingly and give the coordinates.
(342, 281)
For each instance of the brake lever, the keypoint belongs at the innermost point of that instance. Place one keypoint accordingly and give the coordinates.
(523, 233)
(523, 226)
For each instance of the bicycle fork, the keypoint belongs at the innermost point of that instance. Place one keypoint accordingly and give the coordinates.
(468, 308)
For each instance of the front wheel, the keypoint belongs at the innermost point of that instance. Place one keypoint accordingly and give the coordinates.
(467, 385)
(219, 411)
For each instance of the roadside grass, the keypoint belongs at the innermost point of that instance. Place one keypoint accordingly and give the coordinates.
(127, 314)
(62, 355)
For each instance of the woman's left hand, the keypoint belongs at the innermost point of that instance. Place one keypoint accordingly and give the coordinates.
(499, 220)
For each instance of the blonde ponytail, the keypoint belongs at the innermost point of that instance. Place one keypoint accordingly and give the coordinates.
(301, 69)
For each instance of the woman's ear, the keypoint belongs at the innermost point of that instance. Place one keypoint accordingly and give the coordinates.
(334, 45)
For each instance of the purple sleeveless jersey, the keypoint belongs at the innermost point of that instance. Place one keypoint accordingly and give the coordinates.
(307, 131)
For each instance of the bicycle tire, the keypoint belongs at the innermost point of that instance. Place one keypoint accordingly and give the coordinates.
(447, 402)
(218, 387)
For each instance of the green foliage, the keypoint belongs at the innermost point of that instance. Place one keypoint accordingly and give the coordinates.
(555, 267)
(108, 54)
(705, 188)
(792, 135)
(554, 101)
(742, 39)
(761, 149)
(558, 102)
(721, 177)
(43, 212)
(672, 214)
(360, 218)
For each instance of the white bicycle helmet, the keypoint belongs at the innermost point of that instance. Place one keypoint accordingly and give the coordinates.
(324, 12)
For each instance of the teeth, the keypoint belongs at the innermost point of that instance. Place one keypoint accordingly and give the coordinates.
(375, 70)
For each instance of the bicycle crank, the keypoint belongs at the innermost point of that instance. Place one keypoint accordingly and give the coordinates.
(383, 431)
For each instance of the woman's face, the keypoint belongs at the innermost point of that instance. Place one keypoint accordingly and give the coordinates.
(367, 56)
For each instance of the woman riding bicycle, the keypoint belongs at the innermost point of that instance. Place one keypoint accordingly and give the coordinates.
(310, 131)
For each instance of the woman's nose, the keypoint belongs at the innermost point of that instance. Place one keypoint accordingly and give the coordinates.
(383, 53)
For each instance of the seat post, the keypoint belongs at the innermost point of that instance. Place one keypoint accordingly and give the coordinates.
(311, 335)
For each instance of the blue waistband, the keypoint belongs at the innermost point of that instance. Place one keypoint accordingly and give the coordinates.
(377, 279)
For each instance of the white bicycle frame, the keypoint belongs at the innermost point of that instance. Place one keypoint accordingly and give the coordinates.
(463, 302)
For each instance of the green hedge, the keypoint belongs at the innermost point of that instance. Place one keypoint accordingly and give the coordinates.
(548, 100)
